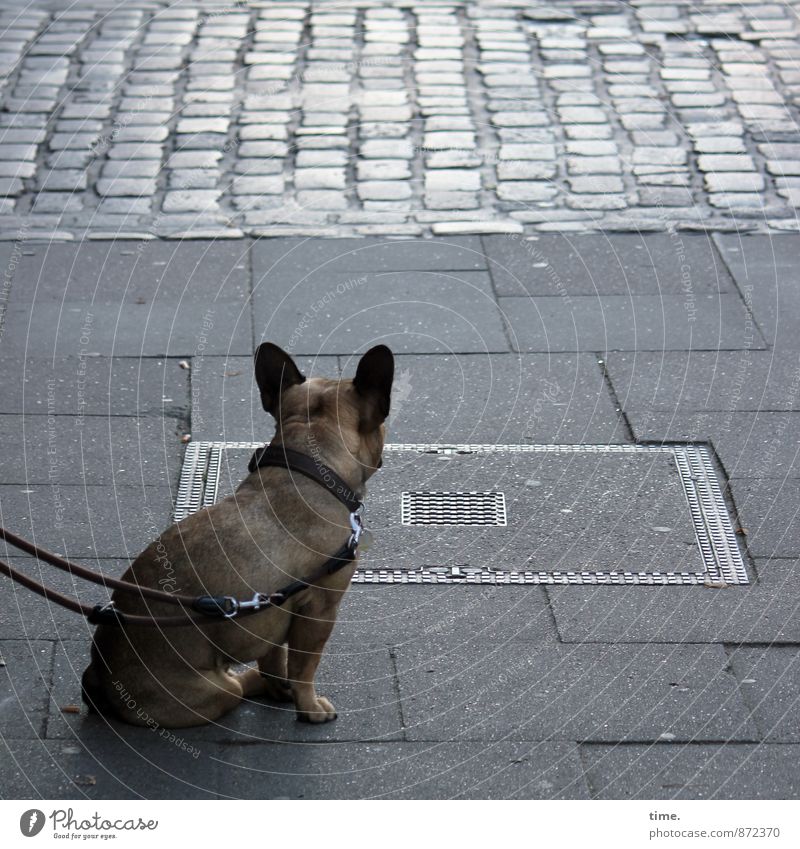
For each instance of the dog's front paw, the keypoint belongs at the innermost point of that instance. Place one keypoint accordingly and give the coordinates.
(324, 712)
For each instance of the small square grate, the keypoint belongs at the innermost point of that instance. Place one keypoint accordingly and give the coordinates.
(453, 508)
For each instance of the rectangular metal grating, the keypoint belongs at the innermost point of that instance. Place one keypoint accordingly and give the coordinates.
(453, 508)
(679, 531)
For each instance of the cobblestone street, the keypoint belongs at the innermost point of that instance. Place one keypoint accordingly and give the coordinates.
(405, 118)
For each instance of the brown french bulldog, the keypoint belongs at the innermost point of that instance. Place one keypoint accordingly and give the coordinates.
(278, 527)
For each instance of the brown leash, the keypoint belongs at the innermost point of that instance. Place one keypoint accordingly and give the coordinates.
(209, 608)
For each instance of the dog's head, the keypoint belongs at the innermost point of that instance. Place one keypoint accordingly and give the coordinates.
(343, 419)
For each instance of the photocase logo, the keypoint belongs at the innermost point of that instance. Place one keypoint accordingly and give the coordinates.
(31, 822)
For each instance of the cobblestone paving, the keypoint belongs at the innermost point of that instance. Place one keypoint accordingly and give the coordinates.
(398, 118)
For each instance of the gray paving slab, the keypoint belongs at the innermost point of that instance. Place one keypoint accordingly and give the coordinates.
(443, 615)
(629, 323)
(105, 765)
(704, 380)
(86, 521)
(770, 682)
(404, 771)
(674, 771)
(187, 329)
(765, 611)
(749, 445)
(766, 271)
(515, 691)
(26, 615)
(292, 259)
(117, 450)
(502, 398)
(358, 679)
(25, 675)
(132, 272)
(103, 386)
(225, 400)
(769, 511)
(411, 311)
(606, 264)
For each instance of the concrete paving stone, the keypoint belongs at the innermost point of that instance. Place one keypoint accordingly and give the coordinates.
(157, 329)
(760, 444)
(626, 323)
(765, 270)
(768, 678)
(57, 202)
(193, 178)
(384, 190)
(262, 185)
(725, 162)
(585, 693)
(502, 398)
(67, 519)
(522, 170)
(194, 159)
(26, 674)
(761, 612)
(704, 381)
(373, 614)
(523, 152)
(383, 305)
(636, 264)
(767, 511)
(64, 180)
(526, 191)
(593, 165)
(376, 169)
(190, 200)
(90, 273)
(451, 200)
(600, 184)
(407, 771)
(293, 259)
(110, 763)
(692, 771)
(225, 401)
(66, 449)
(94, 386)
(125, 187)
(359, 680)
(135, 151)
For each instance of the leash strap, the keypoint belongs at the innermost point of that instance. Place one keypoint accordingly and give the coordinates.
(287, 458)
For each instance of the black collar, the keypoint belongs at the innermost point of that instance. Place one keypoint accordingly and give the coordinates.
(287, 458)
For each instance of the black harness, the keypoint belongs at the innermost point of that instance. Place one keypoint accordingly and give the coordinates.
(208, 607)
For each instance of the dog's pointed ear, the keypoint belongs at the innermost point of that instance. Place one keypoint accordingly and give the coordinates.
(275, 373)
(373, 383)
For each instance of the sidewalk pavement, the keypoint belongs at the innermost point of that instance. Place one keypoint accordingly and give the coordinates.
(114, 352)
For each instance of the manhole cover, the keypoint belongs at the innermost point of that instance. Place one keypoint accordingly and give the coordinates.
(524, 514)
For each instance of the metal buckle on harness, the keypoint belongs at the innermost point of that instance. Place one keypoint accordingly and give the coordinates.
(357, 527)
(258, 601)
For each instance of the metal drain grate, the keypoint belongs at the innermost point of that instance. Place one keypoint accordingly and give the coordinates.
(559, 514)
(453, 508)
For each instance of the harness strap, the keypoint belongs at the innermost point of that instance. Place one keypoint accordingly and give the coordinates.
(295, 461)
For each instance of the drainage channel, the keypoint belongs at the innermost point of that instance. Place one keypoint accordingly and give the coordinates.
(524, 514)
